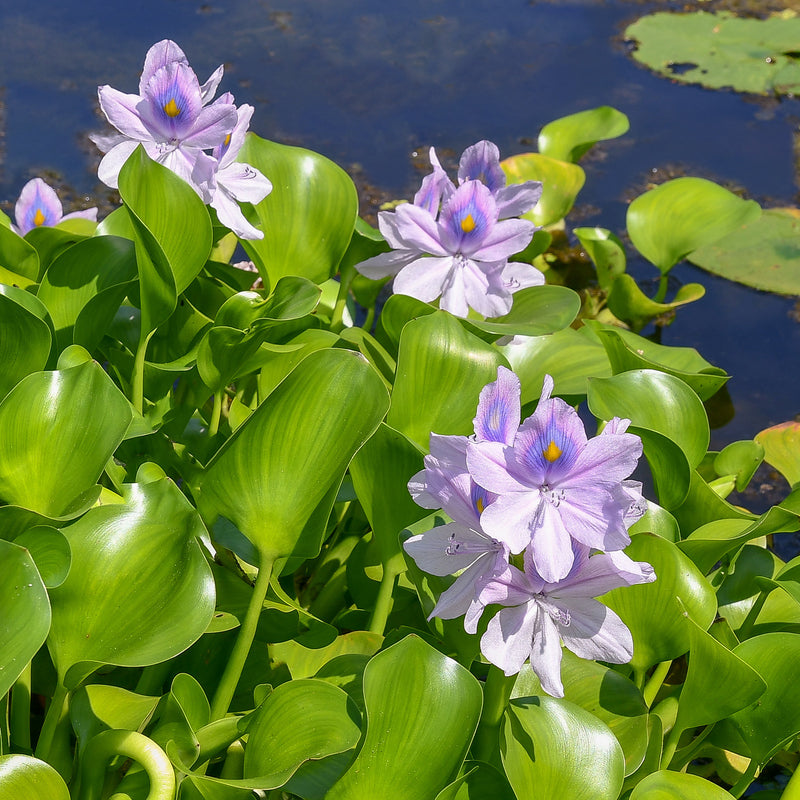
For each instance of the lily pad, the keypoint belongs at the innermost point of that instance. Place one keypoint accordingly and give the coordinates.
(764, 254)
(721, 50)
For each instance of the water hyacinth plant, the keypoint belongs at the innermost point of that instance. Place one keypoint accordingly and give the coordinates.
(250, 548)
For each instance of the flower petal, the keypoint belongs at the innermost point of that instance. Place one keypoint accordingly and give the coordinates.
(467, 218)
(481, 162)
(385, 264)
(546, 655)
(517, 198)
(171, 103)
(243, 182)
(121, 111)
(488, 463)
(112, 161)
(447, 549)
(595, 632)
(510, 519)
(38, 205)
(424, 278)
(551, 547)
(158, 56)
(413, 228)
(498, 414)
(230, 214)
(509, 635)
(506, 237)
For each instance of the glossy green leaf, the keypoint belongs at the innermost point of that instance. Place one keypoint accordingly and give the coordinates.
(26, 612)
(299, 721)
(398, 310)
(679, 216)
(309, 216)
(774, 719)
(628, 351)
(536, 310)
(629, 303)
(664, 785)
(28, 778)
(718, 682)
(678, 413)
(568, 138)
(416, 700)
(140, 590)
(24, 336)
(606, 251)
(17, 258)
(568, 356)
(50, 552)
(172, 233)
(90, 280)
(478, 782)
(52, 241)
(305, 662)
(781, 445)
(62, 428)
(721, 50)
(764, 254)
(441, 369)
(381, 470)
(741, 459)
(604, 693)
(650, 611)
(537, 744)
(659, 521)
(280, 464)
(561, 182)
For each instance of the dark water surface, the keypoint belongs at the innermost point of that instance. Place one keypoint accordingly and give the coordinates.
(369, 84)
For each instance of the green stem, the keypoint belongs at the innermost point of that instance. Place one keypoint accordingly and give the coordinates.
(216, 413)
(383, 603)
(20, 713)
(654, 684)
(746, 628)
(151, 681)
(137, 378)
(670, 745)
(107, 744)
(792, 790)
(338, 310)
(740, 787)
(640, 678)
(686, 754)
(4, 735)
(247, 632)
(496, 693)
(369, 319)
(662, 290)
(55, 714)
(233, 767)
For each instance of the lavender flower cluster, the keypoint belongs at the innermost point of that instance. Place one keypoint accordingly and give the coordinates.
(454, 242)
(177, 120)
(540, 516)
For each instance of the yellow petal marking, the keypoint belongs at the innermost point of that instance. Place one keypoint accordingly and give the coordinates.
(468, 224)
(38, 218)
(171, 109)
(479, 505)
(227, 141)
(552, 453)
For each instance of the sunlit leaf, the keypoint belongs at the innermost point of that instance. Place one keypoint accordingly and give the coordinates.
(568, 138)
(606, 251)
(781, 445)
(679, 216)
(28, 778)
(664, 785)
(629, 303)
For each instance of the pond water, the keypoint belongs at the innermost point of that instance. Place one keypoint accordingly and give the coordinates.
(372, 85)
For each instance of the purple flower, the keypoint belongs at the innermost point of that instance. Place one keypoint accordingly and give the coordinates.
(461, 257)
(460, 545)
(38, 205)
(224, 182)
(169, 117)
(539, 615)
(556, 485)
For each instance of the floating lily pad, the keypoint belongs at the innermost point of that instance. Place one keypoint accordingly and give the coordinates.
(764, 254)
(721, 50)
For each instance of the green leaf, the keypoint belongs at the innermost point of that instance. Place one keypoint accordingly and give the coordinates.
(628, 302)
(664, 785)
(561, 182)
(718, 683)
(282, 462)
(381, 470)
(88, 281)
(26, 613)
(441, 369)
(741, 459)
(172, 233)
(140, 590)
(604, 693)
(568, 356)
(650, 611)
(299, 721)
(309, 216)
(679, 216)
(478, 782)
(774, 719)
(50, 552)
(721, 50)
(628, 351)
(781, 445)
(28, 778)
(606, 251)
(764, 254)
(24, 336)
(18, 259)
(568, 138)
(537, 744)
(58, 431)
(422, 711)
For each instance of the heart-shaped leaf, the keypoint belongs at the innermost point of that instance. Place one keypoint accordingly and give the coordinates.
(28, 778)
(568, 138)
